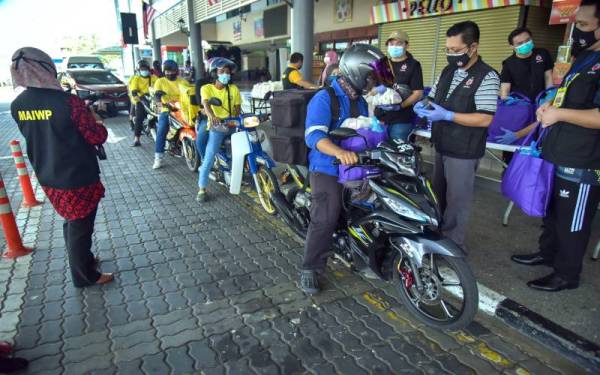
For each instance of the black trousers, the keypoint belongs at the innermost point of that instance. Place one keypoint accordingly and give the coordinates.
(78, 240)
(140, 114)
(326, 205)
(568, 225)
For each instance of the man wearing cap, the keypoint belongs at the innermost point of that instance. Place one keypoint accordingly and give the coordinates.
(408, 81)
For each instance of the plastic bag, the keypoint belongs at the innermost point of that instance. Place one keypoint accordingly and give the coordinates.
(360, 122)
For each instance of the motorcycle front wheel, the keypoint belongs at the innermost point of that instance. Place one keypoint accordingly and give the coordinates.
(449, 298)
(268, 185)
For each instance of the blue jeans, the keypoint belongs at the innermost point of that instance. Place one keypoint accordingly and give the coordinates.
(215, 140)
(161, 134)
(201, 138)
(400, 131)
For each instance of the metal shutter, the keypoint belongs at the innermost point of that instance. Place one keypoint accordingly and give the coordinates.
(422, 34)
(494, 25)
(544, 35)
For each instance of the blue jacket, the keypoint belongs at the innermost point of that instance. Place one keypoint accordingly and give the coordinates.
(319, 124)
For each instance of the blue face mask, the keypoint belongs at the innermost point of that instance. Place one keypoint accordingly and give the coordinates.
(395, 51)
(145, 73)
(224, 78)
(525, 48)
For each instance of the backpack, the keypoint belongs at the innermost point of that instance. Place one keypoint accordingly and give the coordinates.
(288, 117)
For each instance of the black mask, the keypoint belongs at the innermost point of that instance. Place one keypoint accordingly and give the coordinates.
(171, 76)
(458, 60)
(582, 40)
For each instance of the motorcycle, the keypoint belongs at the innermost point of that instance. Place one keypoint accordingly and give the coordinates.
(149, 122)
(181, 136)
(391, 229)
(242, 154)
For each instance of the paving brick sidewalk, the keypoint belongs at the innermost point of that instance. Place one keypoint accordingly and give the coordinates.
(213, 289)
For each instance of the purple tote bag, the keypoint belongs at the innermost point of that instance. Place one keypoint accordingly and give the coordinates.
(357, 144)
(513, 116)
(528, 179)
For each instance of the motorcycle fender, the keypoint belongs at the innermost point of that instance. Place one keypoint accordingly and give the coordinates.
(416, 246)
(240, 147)
(187, 133)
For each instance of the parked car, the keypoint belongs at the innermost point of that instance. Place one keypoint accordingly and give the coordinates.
(83, 62)
(110, 91)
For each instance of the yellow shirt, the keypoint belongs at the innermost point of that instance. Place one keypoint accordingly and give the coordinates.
(172, 89)
(142, 85)
(295, 76)
(211, 91)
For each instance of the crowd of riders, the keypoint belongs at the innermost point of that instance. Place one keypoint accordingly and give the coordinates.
(460, 106)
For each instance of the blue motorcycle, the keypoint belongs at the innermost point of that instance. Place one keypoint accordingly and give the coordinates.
(242, 154)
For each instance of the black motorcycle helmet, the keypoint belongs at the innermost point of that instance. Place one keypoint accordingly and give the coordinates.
(365, 66)
(143, 64)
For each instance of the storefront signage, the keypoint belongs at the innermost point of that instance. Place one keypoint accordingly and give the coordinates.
(237, 30)
(563, 11)
(259, 30)
(407, 9)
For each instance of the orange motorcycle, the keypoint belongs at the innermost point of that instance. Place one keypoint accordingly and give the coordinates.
(181, 137)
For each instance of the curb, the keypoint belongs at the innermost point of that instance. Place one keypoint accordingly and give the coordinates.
(581, 351)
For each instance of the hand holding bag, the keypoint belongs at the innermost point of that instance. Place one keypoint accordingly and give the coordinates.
(528, 179)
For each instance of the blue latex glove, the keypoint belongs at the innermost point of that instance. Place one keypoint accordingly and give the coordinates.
(438, 113)
(381, 89)
(420, 105)
(507, 138)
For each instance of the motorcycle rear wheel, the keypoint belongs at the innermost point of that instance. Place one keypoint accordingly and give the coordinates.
(192, 159)
(268, 185)
(423, 307)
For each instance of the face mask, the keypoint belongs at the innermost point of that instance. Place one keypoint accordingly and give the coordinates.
(395, 51)
(525, 48)
(224, 78)
(582, 40)
(171, 76)
(145, 73)
(459, 60)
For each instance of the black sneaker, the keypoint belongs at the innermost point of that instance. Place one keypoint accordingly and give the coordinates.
(309, 282)
(136, 144)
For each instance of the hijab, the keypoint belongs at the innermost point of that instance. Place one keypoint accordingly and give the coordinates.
(32, 67)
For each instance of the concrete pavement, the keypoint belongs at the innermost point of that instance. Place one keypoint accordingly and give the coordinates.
(213, 289)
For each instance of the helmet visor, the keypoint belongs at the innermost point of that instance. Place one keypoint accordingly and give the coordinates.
(382, 70)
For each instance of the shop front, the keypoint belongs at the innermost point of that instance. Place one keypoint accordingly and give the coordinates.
(427, 27)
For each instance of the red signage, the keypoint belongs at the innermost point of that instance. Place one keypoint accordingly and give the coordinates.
(563, 11)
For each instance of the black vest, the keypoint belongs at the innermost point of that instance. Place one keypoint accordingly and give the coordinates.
(449, 138)
(60, 156)
(285, 80)
(569, 145)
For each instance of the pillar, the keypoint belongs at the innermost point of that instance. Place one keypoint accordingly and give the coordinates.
(155, 41)
(195, 41)
(303, 29)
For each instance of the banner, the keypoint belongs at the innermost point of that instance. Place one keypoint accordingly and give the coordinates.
(408, 9)
(259, 30)
(237, 30)
(563, 11)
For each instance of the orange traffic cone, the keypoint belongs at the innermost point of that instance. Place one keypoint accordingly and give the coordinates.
(14, 244)
(28, 195)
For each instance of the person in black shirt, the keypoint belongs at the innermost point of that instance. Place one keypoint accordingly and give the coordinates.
(528, 70)
(408, 81)
(572, 143)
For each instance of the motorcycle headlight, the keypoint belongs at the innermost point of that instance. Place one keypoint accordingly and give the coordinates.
(251, 121)
(406, 210)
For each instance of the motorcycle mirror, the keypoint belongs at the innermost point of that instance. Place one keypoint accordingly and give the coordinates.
(215, 101)
(343, 133)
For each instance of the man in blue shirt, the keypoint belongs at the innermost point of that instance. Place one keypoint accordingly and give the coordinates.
(361, 68)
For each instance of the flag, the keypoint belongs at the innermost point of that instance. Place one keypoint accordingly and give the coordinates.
(213, 2)
(148, 16)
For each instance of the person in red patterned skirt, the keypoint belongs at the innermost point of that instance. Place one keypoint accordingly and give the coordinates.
(62, 134)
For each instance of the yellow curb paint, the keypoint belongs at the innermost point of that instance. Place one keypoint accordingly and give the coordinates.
(522, 371)
(377, 302)
(463, 337)
(492, 356)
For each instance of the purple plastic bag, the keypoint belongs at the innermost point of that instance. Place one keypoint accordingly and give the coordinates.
(511, 116)
(528, 180)
(357, 144)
